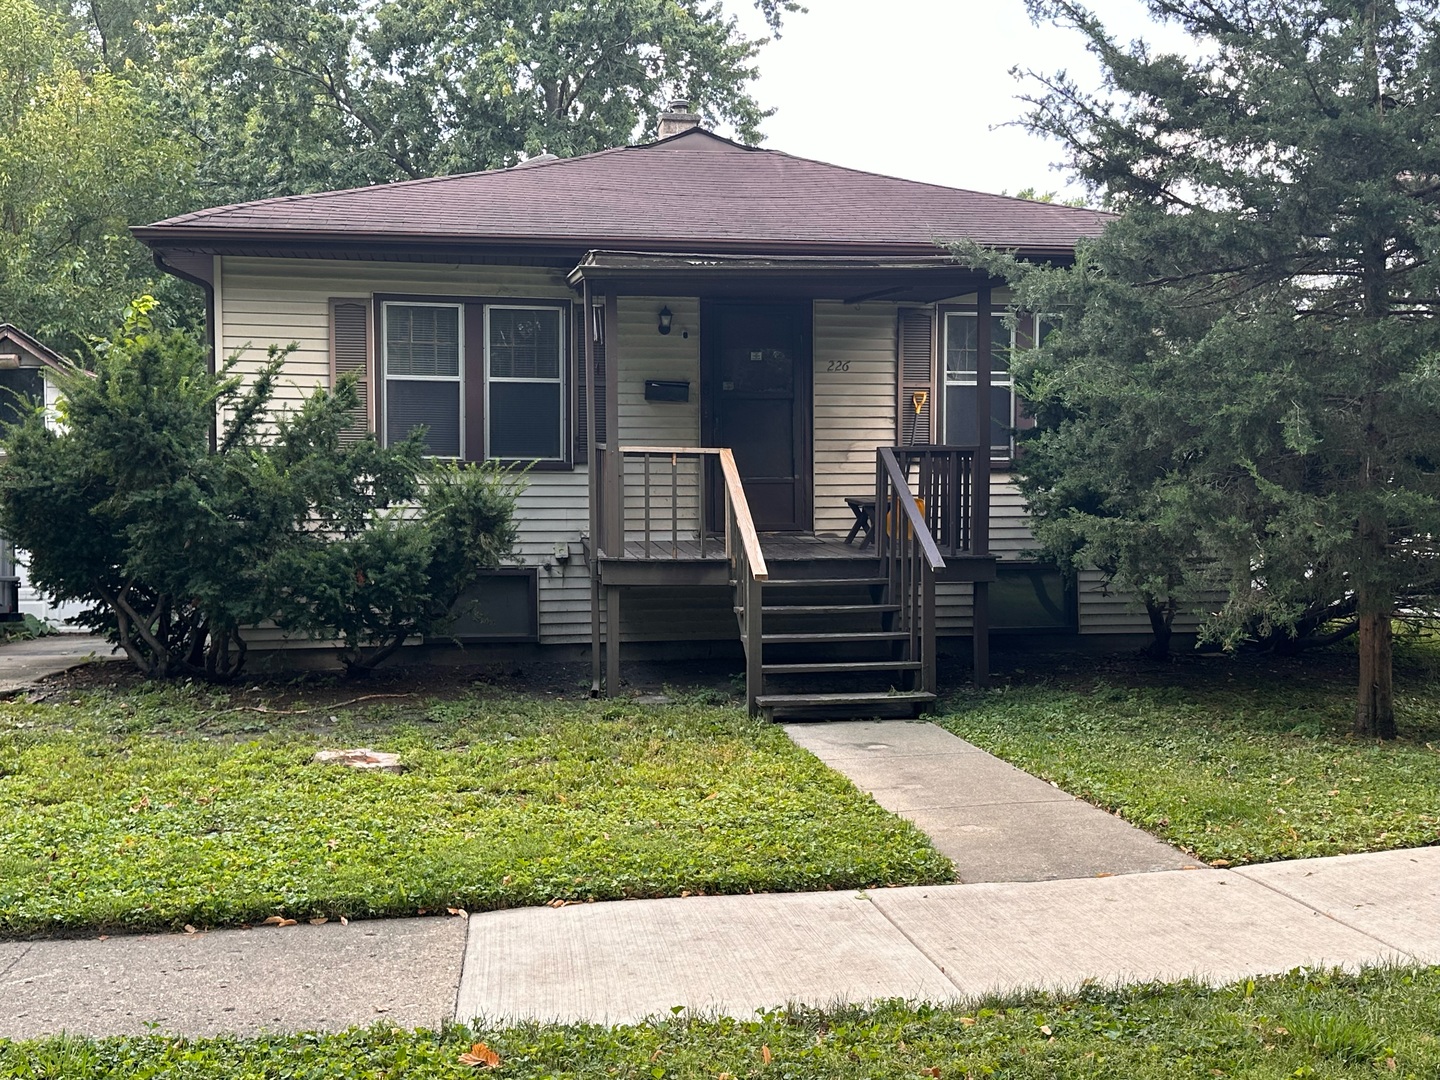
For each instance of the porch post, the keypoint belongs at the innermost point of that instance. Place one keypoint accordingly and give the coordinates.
(594, 469)
(980, 531)
(614, 495)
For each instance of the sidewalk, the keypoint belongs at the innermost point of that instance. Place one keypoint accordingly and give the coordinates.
(23, 663)
(1084, 903)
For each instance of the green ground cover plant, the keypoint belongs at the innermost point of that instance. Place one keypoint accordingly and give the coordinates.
(152, 806)
(1236, 760)
(1376, 1023)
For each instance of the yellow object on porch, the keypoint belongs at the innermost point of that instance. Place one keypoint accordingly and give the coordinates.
(909, 531)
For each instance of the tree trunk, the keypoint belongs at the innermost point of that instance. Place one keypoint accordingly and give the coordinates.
(1375, 709)
(1162, 618)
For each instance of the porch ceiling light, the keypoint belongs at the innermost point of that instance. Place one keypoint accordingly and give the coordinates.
(666, 318)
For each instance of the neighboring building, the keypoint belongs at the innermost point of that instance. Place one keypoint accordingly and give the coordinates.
(24, 363)
(615, 320)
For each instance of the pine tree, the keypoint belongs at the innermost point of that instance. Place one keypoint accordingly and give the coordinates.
(1266, 300)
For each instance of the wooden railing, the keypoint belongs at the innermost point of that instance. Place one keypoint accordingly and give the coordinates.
(748, 570)
(662, 502)
(909, 558)
(944, 488)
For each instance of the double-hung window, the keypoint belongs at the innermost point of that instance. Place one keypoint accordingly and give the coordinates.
(962, 353)
(424, 375)
(485, 380)
(961, 381)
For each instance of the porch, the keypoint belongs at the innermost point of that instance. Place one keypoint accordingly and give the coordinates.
(798, 386)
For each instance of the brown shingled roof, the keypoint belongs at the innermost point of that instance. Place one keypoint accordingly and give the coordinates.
(693, 191)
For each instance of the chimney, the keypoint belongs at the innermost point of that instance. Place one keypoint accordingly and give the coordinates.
(678, 118)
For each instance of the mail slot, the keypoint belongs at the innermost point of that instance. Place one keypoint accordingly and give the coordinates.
(667, 390)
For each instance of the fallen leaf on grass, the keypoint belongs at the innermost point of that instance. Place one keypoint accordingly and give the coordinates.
(968, 1021)
(480, 1056)
(1045, 1029)
(934, 1071)
(765, 1054)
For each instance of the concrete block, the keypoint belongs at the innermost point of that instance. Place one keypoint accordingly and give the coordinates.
(869, 738)
(1391, 895)
(1204, 924)
(621, 962)
(243, 981)
(1040, 841)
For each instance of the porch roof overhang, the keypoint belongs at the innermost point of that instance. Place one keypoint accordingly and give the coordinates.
(850, 278)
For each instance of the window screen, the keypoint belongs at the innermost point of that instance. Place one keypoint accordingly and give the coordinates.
(524, 361)
(961, 384)
(424, 375)
(21, 390)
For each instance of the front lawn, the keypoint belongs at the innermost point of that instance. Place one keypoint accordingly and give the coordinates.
(1236, 760)
(152, 807)
(1377, 1023)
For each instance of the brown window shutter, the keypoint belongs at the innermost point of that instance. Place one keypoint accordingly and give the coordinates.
(581, 446)
(916, 348)
(581, 380)
(350, 352)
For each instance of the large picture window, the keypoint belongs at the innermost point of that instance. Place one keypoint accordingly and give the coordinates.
(961, 383)
(485, 380)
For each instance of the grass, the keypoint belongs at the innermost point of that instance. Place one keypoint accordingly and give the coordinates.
(150, 808)
(1236, 761)
(1376, 1023)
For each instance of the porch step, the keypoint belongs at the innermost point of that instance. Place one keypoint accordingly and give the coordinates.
(847, 704)
(823, 666)
(855, 635)
(824, 609)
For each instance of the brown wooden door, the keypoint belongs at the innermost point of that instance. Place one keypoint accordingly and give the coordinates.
(756, 400)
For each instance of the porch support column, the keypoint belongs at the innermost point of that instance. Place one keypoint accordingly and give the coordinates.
(594, 469)
(980, 526)
(614, 495)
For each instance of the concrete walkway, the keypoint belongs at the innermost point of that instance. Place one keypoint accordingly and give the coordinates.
(24, 663)
(993, 821)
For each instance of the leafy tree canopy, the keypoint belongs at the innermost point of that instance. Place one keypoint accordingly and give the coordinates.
(83, 155)
(285, 96)
(1250, 352)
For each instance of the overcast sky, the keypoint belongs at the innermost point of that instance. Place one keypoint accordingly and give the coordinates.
(921, 88)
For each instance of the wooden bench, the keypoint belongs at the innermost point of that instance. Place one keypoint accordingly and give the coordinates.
(863, 507)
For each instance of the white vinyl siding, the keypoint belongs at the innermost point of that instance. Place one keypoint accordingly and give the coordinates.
(855, 387)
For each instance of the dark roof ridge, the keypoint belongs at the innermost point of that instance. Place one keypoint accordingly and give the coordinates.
(938, 187)
(217, 211)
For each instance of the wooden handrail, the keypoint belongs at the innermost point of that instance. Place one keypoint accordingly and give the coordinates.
(906, 502)
(744, 523)
(701, 450)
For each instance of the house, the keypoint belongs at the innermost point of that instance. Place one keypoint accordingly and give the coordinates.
(24, 364)
(718, 363)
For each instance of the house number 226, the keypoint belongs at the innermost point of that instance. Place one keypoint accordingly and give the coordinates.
(838, 365)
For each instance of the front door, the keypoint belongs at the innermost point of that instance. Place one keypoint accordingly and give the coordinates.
(755, 399)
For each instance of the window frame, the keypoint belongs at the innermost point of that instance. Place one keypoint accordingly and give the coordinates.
(474, 365)
(460, 366)
(998, 455)
(563, 319)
